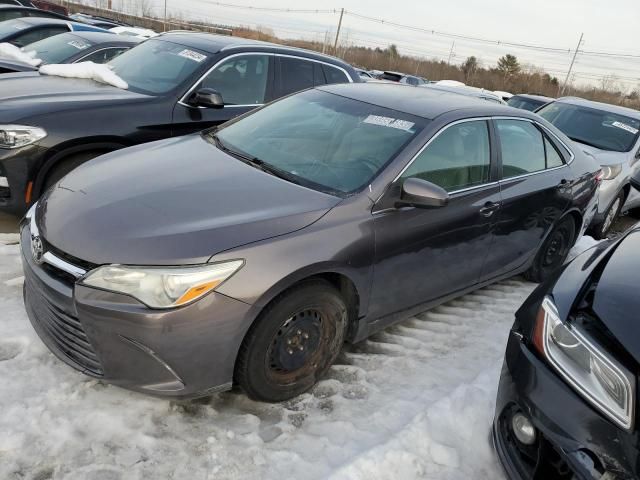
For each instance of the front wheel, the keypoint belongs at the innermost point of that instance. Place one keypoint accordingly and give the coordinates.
(293, 343)
(600, 232)
(554, 251)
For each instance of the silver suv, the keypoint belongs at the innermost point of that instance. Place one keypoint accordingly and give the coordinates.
(611, 135)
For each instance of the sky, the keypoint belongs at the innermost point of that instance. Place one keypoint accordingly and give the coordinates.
(608, 27)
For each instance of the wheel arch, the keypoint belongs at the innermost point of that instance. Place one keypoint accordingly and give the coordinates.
(58, 154)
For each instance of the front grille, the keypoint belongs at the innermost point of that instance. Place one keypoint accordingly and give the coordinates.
(65, 332)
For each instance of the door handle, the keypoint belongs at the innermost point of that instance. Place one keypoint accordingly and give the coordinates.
(563, 185)
(489, 209)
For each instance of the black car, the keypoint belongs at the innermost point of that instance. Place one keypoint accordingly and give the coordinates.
(96, 21)
(24, 31)
(250, 252)
(177, 84)
(567, 401)
(529, 102)
(402, 78)
(11, 12)
(39, 4)
(74, 47)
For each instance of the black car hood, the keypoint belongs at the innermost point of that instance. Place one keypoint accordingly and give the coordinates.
(614, 265)
(11, 66)
(23, 95)
(173, 202)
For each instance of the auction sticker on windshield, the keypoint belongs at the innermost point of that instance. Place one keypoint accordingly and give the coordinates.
(626, 127)
(389, 122)
(191, 55)
(78, 45)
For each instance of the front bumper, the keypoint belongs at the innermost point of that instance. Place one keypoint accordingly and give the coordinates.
(17, 168)
(573, 438)
(607, 192)
(181, 353)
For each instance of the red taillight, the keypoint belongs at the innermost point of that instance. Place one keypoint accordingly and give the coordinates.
(599, 176)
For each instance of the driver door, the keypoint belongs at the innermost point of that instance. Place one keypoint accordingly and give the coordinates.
(245, 82)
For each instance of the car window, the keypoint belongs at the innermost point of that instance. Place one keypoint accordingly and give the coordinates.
(460, 157)
(554, 159)
(9, 2)
(318, 75)
(10, 15)
(37, 34)
(522, 148)
(524, 103)
(103, 56)
(241, 80)
(334, 75)
(321, 140)
(295, 75)
(58, 48)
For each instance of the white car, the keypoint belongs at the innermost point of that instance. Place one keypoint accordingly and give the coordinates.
(134, 32)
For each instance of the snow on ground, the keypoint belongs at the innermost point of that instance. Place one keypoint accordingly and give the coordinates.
(415, 401)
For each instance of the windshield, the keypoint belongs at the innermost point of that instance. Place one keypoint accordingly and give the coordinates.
(324, 141)
(597, 128)
(12, 26)
(525, 103)
(157, 66)
(58, 48)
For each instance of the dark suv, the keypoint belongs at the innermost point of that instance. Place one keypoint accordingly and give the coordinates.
(178, 83)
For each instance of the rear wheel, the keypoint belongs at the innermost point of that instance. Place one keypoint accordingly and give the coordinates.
(554, 251)
(600, 232)
(65, 166)
(293, 343)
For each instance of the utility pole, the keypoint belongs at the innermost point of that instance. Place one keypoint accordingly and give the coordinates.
(453, 45)
(573, 60)
(335, 44)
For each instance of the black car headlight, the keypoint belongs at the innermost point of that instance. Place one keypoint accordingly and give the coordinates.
(585, 365)
(16, 136)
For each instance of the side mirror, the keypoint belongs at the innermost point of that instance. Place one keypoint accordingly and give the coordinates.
(208, 98)
(422, 194)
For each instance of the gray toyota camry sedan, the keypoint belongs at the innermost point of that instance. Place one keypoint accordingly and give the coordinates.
(247, 255)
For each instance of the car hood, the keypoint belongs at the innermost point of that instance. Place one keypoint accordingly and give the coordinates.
(25, 94)
(603, 157)
(12, 66)
(613, 266)
(173, 202)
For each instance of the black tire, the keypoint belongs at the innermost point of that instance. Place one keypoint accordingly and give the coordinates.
(65, 166)
(553, 252)
(293, 343)
(601, 230)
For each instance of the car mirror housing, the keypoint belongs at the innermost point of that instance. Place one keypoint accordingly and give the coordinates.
(422, 194)
(208, 98)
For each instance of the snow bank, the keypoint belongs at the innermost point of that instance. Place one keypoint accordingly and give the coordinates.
(11, 52)
(93, 71)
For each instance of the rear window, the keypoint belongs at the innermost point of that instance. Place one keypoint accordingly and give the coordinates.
(58, 48)
(12, 26)
(525, 103)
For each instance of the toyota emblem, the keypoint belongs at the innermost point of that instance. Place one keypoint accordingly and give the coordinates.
(37, 249)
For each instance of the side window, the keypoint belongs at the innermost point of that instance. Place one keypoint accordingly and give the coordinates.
(241, 80)
(295, 75)
(103, 56)
(460, 157)
(522, 148)
(334, 75)
(10, 15)
(37, 34)
(318, 75)
(553, 157)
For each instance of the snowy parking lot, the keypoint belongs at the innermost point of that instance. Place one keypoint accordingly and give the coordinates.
(415, 401)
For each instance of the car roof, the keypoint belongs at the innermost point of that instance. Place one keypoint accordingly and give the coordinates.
(428, 103)
(607, 107)
(106, 37)
(45, 20)
(541, 98)
(463, 90)
(212, 43)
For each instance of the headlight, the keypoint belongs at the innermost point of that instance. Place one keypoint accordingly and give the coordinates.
(162, 287)
(600, 379)
(609, 172)
(16, 136)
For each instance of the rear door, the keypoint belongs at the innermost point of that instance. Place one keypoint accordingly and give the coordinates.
(244, 80)
(535, 188)
(425, 254)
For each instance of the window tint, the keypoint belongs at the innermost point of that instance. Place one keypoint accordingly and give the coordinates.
(37, 34)
(295, 75)
(334, 75)
(522, 148)
(553, 157)
(524, 103)
(318, 75)
(241, 80)
(458, 158)
(58, 48)
(103, 56)
(10, 15)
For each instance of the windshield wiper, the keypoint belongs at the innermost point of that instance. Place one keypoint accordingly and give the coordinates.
(255, 161)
